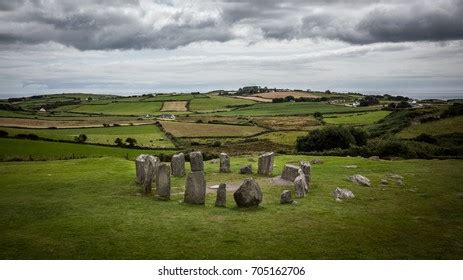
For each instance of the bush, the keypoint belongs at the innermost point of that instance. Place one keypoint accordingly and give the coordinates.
(3, 133)
(199, 121)
(130, 142)
(28, 136)
(369, 101)
(217, 144)
(426, 138)
(360, 136)
(119, 142)
(326, 139)
(81, 138)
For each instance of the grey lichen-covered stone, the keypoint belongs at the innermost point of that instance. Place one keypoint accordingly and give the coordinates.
(195, 190)
(151, 167)
(361, 180)
(342, 194)
(249, 194)
(178, 165)
(290, 172)
(317, 161)
(265, 163)
(140, 168)
(224, 163)
(306, 169)
(246, 169)
(163, 181)
(285, 197)
(300, 185)
(196, 161)
(221, 199)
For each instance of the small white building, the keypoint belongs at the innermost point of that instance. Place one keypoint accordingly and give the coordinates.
(42, 110)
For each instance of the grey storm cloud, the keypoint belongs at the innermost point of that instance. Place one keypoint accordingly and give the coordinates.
(139, 24)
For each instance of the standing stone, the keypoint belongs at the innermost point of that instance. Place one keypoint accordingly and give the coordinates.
(152, 164)
(300, 185)
(178, 165)
(196, 161)
(149, 171)
(224, 163)
(246, 169)
(248, 194)
(286, 197)
(306, 169)
(140, 168)
(195, 190)
(290, 172)
(265, 164)
(221, 199)
(163, 181)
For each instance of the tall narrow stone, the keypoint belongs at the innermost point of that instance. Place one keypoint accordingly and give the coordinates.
(163, 181)
(140, 168)
(306, 169)
(290, 172)
(300, 186)
(224, 163)
(265, 164)
(221, 199)
(195, 190)
(178, 165)
(196, 161)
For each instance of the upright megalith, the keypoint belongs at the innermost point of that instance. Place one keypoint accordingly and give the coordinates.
(140, 168)
(300, 185)
(306, 169)
(195, 190)
(290, 172)
(178, 165)
(151, 167)
(163, 181)
(224, 163)
(221, 199)
(249, 194)
(196, 161)
(265, 163)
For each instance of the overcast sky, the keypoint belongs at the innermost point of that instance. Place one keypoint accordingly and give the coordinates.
(136, 46)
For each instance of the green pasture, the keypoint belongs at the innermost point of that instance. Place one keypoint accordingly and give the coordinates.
(121, 108)
(290, 108)
(363, 118)
(443, 126)
(92, 209)
(146, 135)
(19, 149)
(217, 103)
(283, 137)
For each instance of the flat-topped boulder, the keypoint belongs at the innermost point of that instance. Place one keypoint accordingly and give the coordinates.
(195, 189)
(224, 163)
(178, 165)
(249, 194)
(265, 163)
(290, 172)
(196, 161)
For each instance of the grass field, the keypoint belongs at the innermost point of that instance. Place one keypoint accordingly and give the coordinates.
(217, 103)
(290, 108)
(183, 129)
(121, 108)
(175, 97)
(283, 94)
(174, 106)
(283, 137)
(89, 209)
(356, 119)
(19, 149)
(146, 135)
(69, 123)
(444, 126)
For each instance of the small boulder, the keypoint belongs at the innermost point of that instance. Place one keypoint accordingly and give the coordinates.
(317, 161)
(246, 169)
(361, 180)
(290, 172)
(286, 197)
(351, 166)
(249, 194)
(342, 194)
(374, 158)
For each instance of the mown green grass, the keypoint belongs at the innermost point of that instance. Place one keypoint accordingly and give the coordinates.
(19, 149)
(121, 108)
(290, 108)
(146, 135)
(363, 118)
(90, 209)
(444, 126)
(217, 103)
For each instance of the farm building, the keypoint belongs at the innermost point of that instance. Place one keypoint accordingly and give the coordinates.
(167, 116)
